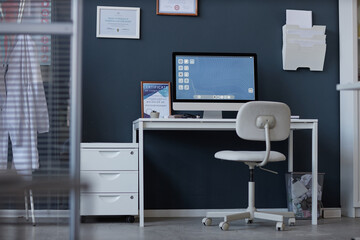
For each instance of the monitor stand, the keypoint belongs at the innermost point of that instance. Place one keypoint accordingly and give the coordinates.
(212, 114)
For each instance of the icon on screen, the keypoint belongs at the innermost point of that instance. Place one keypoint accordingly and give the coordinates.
(181, 74)
(181, 80)
(186, 74)
(186, 87)
(186, 61)
(181, 68)
(192, 61)
(186, 68)
(186, 80)
(180, 61)
(251, 90)
(181, 87)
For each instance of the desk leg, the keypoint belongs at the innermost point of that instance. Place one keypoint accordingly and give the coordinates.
(291, 152)
(134, 140)
(141, 174)
(314, 172)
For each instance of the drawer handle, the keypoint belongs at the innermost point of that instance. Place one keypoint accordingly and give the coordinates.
(109, 176)
(109, 198)
(109, 154)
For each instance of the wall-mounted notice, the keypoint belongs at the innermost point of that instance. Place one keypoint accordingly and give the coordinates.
(177, 7)
(118, 22)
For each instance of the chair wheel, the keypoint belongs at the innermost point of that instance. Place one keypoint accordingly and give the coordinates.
(130, 219)
(291, 221)
(207, 221)
(224, 226)
(280, 226)
(248, 221)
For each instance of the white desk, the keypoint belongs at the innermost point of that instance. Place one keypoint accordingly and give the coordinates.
(348, 86)
(144, 124)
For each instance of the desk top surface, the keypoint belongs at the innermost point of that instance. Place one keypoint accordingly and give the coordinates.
(204, 120)
(205, 124)
(348, 86)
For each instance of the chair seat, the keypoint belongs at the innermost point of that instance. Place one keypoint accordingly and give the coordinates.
(249, 156)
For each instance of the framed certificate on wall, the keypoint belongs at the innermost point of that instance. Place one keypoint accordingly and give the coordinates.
(155, 97)
(177, 7)
(118, 22)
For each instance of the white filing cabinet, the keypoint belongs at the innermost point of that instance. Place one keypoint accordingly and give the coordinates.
(110, 171)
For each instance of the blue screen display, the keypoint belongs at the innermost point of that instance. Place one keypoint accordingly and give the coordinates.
(215, 77)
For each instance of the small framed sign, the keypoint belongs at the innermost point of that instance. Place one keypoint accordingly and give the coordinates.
(155, 97)
(177, 7)
(118, 22)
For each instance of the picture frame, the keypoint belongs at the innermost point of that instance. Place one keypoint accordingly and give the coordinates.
(155, 96)
(118, 22)
(177, 7)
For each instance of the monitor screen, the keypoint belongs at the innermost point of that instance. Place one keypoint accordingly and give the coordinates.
(213, 81)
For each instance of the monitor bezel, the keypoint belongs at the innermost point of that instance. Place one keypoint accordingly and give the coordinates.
(174, 77)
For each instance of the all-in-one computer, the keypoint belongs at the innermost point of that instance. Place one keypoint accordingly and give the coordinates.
(213, 82)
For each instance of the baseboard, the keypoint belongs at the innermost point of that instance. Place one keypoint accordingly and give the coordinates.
(357, 212)
(331, 212)
(38, 213)
(197, 212)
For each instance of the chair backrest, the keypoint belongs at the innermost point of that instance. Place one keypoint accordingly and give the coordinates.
(248, 116)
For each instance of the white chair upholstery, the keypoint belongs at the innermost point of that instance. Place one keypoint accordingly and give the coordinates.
(258, 121)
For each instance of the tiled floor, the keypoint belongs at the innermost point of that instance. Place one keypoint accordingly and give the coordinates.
(178, 228)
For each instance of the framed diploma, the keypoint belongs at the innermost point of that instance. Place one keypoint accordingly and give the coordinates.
(177, 7)
(155, 98)
(118, 22)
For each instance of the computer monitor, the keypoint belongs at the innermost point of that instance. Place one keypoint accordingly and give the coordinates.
(213, 82)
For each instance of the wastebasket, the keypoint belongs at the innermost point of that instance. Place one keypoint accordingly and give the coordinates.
(299, 193)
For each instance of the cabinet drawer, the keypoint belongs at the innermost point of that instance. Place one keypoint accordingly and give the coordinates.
(109, 159)
(108, 204)
(102, 145)
(110, 181)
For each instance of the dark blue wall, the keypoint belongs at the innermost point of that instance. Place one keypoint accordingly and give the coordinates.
(180, 169)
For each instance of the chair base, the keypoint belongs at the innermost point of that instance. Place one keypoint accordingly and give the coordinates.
(249, 216)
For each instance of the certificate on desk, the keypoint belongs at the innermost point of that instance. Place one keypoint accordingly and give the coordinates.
(155, 96)
(118, 22)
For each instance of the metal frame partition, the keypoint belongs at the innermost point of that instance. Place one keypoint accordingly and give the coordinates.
(72, 29)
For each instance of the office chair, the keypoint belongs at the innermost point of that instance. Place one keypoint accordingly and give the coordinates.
(257, 121)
